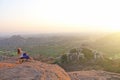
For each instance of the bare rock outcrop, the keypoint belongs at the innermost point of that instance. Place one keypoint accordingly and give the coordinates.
(93, 75)
(32, 71)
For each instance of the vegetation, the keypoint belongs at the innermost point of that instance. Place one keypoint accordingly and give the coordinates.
(88, 53)
(8, 53)
(51, 47)
(46, 45)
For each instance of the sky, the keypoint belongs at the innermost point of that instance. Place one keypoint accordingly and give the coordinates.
(58, 16)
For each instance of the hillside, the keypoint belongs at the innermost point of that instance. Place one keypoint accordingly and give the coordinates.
(87, 59)
(80, 59)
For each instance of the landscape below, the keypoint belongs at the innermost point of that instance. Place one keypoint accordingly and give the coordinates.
(81, 56)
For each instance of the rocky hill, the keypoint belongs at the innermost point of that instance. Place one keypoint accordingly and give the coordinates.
(80, 59)
(36, 70)
(93, 75)
(31, 71)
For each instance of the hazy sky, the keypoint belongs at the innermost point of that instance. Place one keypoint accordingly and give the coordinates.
(51, 16)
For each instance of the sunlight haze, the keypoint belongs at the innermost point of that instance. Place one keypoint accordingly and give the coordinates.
(54, 16)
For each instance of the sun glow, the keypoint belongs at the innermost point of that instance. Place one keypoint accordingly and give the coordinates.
(59, 15)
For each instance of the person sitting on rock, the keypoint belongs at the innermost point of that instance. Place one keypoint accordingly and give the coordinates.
(23, 56)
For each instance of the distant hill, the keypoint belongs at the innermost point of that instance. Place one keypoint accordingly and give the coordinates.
(50, 45)
(80, 59)
(12, 42)
(87, 59)
(54, 45)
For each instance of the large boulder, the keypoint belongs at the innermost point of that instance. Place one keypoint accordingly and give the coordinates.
(32, 71)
